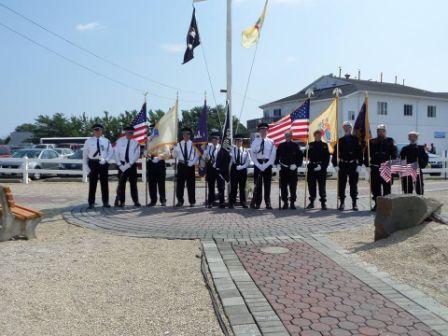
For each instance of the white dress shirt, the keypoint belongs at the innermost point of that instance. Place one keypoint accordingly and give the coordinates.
(211, 152)
(244, 156)
(191, 155)
(120, 151)
(90, 151)
(263, 149)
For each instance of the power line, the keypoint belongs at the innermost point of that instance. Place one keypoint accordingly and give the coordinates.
(116, 81)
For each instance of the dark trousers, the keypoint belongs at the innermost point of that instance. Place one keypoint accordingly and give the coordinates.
(379, 186)
(408, 185)
(238, 180)
(98, 172)
(288, 179)
(348, 172)
(185, 175)
(131, 175)
(315, 179)
(156, 181)
(213, 180)
(262, 179)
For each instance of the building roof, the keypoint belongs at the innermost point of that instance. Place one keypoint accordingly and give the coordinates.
(349, 86)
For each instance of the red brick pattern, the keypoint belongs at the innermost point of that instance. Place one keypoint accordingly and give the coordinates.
(313, 295)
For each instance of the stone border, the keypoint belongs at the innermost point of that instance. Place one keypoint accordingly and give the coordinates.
(422, 306)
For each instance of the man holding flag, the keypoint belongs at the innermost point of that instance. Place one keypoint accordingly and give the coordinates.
(414, 154)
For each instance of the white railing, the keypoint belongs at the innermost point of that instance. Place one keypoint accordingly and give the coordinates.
(24, 170)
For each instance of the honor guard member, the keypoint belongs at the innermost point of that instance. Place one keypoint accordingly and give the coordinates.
(127, 152)
(289, 157)
(318, 160)
(414, 154)
(382, 149)
(263, 153)
(96, 155)
(238, 172)
(186, 156)
(156, 174)
(213, 172)
(347, 161)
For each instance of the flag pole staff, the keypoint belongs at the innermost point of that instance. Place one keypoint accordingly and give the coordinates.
(145, 94)
(175, 159)
(368, 146)
(337, 92)
(202, 159)
(309, 93)
(229, 66)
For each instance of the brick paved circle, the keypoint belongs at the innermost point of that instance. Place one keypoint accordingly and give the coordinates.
(200, 223)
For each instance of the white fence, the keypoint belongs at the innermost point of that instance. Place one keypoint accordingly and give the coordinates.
(25, 172)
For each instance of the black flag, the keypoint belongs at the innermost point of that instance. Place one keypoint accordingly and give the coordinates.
(226, 141)
(193, 39)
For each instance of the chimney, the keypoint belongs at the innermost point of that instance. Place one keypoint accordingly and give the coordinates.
(396, 79)
(347, 76)
(359, 73)
(340, 72)
(381, 77)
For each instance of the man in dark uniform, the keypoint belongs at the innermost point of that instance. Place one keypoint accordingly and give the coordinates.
(156, 173)
(319, 158)
(289, 157)
(238, 174)
(416, 154)
(347, 161)
(263, 153)
(97, 153)
(214, 179)
(382, 149)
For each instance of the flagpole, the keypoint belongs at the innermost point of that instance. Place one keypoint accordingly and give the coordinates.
(175, 160)
(146, 165)
(337, 92)
(309, 93)
(368, 147)
(205, 175)
(229, 66)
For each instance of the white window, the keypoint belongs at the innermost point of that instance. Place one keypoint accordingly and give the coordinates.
(351, 115)
(432, 112)
(382, 108)
(407, 110)
(277, 112)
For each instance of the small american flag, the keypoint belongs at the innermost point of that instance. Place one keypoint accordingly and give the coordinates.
(386, 171)
(140, 124)
(298, 122)
(411, 169)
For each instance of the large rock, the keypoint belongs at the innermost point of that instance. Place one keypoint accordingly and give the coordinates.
(400, 212)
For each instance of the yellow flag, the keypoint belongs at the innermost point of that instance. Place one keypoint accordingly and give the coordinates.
(164, 132)
(327, 122)
(251, 35)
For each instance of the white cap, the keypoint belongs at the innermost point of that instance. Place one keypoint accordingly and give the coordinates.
(414, 133)
(381, 127)
(347, 123)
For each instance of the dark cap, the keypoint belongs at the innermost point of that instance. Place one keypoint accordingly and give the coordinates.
(239, 137)
(262, 126)
(186, 130)
(129, 129)
(215, 135)
(97, 127)
(317, 131)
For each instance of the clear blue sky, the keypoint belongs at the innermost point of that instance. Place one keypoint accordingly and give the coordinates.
(301, 40)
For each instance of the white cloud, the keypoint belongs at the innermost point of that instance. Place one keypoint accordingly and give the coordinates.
(89, 26)
(173, 47)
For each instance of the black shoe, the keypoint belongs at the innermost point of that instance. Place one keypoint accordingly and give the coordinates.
(192, 205)
(91, 206)
(244, 205)
(354, 206)
(374, 208)
(119, 205)
(179, 204)
(269, 206)
(106, 206)
(150, 204)
(285, 206)
(137, 205)
(222, 206)
(341, 206)
(163, 204)
(324, 206)
(292, 206)
(310, 206)
(209, 206)
(254, 206)
(231, 206)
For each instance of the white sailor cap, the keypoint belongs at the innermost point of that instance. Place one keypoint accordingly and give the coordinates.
(381, 127)
(414, 133)
(347, 123)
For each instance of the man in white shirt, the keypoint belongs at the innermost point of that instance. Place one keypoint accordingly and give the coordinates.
(238, 172)
(263, 153)
(96, 155)
(185, 154)
(156, 169)
(212, 172)
(127, 152)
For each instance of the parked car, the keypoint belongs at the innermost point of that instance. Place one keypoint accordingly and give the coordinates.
(64, 152)
(435, 161)
(34, 154)
(77, 155)
(5, 151)
(44, 146)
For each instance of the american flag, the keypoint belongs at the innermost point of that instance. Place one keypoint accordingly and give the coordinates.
(386, 171)
(298, 122)
(410, 169)
(140, 124)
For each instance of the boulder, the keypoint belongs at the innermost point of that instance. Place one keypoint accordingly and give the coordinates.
(400, 212)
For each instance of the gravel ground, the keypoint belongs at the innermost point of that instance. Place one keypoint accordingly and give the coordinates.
(73, 281)
(417, 256)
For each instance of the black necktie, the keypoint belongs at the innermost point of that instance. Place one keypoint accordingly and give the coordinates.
(98, 149)
(238, 158)
(262, 147)
(185, 152)
(126, 156)
(213, 154)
